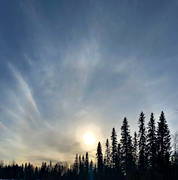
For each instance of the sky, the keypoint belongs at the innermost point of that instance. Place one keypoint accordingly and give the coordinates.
(71, 67)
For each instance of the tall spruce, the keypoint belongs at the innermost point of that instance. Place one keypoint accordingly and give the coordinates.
(114, 148)
(76, 165)
(80, 164)
(142, 161)
(163, 140)
(151, 142)
(135, 148)
(126, 148)
(99, 156)
(86, 163)
(107, 158)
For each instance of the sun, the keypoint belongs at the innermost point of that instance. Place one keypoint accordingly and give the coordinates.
(89, 138)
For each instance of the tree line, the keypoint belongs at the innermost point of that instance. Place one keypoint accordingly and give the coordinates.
(147, 155)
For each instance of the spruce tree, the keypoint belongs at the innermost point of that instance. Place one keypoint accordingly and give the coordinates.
(163, 141)
(114, 148)
(135, 148)
(76, 164)
(142, 161)
(86, 163)
(80, 164)
(126, 148)
(83, 160)
(151, 142)
(99, 156)
(107, 158)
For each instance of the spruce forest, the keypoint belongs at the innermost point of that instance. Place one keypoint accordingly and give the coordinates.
(149, 154)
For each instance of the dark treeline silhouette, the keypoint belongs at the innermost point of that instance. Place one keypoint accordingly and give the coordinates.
(147, 155)
(29, 172)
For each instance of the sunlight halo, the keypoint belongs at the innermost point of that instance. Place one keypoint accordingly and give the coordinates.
(89, 138)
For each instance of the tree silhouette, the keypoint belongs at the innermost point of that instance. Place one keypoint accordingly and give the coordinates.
(126, 148)
(114, 148)
(86, 163)
(135, 148)
(107, 158)
(99, 156)
(151, 142)
(163, 141)
(76, 164)
(142, 161)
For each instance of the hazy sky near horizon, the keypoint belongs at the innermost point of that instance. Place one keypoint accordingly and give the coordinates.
(68, 67)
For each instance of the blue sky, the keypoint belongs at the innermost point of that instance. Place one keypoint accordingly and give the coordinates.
(69, 67)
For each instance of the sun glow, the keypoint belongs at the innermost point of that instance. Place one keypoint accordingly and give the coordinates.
(89, 139)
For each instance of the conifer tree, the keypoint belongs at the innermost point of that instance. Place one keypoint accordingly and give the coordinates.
(107, 158)
(83, 160)
(142, 161)
(163, 140)
(126, 148)
(76, 164)
(151, 142)
(99, 156)
(135, 148)
(80, 163)
(114, 148)
(87, 163)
